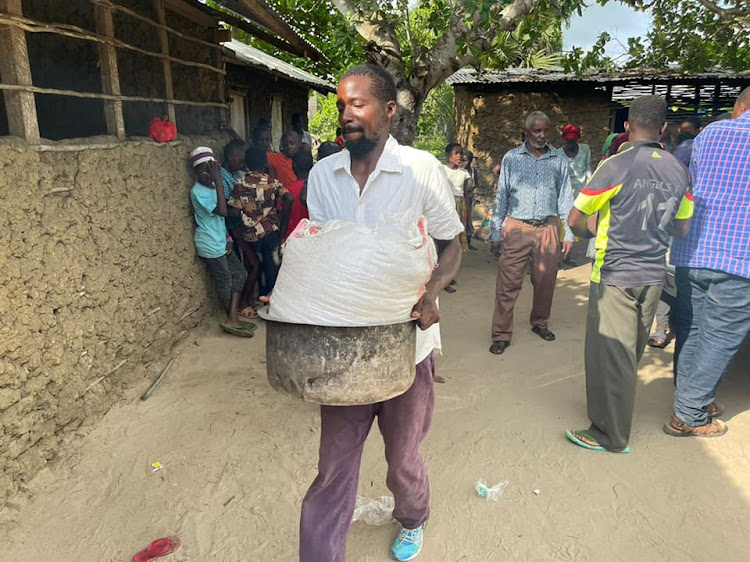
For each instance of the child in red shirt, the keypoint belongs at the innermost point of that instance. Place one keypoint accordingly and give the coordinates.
(302, 163)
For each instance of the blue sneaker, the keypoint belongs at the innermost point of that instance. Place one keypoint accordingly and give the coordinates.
(408, 544)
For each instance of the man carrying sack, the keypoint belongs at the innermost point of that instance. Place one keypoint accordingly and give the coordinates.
(374, 178)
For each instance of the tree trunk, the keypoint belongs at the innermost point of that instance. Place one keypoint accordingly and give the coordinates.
(410, 102)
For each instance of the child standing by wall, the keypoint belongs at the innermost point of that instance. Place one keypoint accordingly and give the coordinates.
(212, 242)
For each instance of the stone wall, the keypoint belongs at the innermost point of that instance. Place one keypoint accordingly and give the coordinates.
(97, 271)
(490, 123)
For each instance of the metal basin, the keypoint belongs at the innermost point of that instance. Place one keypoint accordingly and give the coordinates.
(341, 366)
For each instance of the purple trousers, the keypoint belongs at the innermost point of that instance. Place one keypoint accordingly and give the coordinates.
(329, 504)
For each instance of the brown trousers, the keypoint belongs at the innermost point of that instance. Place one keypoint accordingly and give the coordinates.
(523, 241)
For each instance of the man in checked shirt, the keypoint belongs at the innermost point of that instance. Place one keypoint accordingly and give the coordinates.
(712, 311)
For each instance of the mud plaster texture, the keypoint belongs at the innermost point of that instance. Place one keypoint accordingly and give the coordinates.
(490, 123)
(98, 280)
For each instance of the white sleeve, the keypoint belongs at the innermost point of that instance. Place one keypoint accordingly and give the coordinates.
(443, 222)
(314, 201)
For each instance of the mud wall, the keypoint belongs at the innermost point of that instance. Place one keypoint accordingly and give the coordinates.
(489, 123)
(98, 279)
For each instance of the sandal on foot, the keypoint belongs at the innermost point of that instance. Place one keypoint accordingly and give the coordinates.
(498, 347)
(157, 549)
(584, 439)
(450, 289)
(543, 333)
(243, 330)
(678, 428)
(658, 339)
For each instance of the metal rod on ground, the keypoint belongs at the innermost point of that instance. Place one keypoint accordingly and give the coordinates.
(150, 390)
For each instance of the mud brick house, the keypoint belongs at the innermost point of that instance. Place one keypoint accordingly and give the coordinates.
(264, 86)
(490, 106)
(98, 274)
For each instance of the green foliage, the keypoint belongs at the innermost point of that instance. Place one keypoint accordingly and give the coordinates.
(685, 33)
(432, 144)
(326, 119)
(418, 26)
(696, 38)
(579, 61)
(436, 119)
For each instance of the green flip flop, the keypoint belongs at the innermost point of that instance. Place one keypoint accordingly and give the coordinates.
(573, 437)
(244, 330)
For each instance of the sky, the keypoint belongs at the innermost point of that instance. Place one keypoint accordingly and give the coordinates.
(618, 20)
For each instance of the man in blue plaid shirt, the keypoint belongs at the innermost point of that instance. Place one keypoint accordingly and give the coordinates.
(712, 311)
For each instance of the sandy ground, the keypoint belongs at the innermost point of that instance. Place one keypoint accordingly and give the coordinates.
(238, 458)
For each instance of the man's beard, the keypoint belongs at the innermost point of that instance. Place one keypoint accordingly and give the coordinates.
(538, 145)
(362, 146)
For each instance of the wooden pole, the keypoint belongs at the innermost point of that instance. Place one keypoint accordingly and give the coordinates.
(98, 96)
(110, 72)
(64, 30)
(218, 60)
(716, 104)
(166, 64)
(15, 68)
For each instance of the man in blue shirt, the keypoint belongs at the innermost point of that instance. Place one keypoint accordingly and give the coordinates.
(712, 311)
(533, 191)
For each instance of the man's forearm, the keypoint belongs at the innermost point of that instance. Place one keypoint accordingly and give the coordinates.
(221, 201)
(578, 223)
(449, 262)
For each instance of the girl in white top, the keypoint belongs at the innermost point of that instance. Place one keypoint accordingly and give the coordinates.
(461, 184)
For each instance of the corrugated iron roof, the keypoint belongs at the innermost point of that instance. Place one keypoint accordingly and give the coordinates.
(557, 74)
(260, 11)
(250, 56)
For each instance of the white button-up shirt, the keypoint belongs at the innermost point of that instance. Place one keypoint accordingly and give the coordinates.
(404, 179)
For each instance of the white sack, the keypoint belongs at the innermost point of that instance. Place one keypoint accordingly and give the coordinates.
(348, 274)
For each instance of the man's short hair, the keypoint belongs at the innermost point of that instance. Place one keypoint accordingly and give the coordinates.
(533, 116)
(694, 121)
(383, 85)
(648, 111)
(451, 146)
(744, 96)
(327, 148)
(255, 159)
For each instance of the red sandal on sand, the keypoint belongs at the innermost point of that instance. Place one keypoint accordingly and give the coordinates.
(157, 549)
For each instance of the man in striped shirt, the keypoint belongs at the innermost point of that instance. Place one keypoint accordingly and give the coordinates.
(712, 311)
(641, 197)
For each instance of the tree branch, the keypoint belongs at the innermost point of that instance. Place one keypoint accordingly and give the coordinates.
(383, 46)
(443, 59)
(730, 15)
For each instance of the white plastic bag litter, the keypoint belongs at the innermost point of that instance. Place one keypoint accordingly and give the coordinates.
(378, 511)
(348, 274)
(492, 493)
